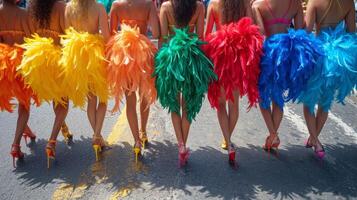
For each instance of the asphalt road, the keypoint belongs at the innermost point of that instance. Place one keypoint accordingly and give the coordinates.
(294, 173)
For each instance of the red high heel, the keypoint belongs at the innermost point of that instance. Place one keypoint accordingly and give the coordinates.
(51, 152)
(16, 153)
(272, 142)
(28, 134)
(183, 155)
(232, 155)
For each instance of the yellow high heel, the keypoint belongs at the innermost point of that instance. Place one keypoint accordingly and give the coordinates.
(98, 144)
(137, 151)
(144, 138)
(50, 152)
(68, 137)
(224, 145)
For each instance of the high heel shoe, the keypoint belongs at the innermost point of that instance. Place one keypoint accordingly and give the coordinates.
(231, 155)
(272, 142)
(144, 139)
(308, 143)
(51, 152)
(98, 145)
(319, 153)
(68, 137)
(28, 134)
(137, 150)
(16, 153)
(183, 155)
(224, 145)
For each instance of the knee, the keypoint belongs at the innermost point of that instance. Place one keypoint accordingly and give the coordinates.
(221, 104)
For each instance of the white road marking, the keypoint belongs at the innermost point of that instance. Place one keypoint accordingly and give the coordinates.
(349, 131)
(296, 119)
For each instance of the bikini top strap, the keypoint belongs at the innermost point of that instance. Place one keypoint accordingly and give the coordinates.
(271, 10)
(287, 11)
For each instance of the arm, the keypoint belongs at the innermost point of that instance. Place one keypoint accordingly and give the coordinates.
(114, 20)
(67, 23)
(210, 18)
(103, 22)
(164, 24)
(310, 16)
(351, 18)
(258, 17)
(299, 17)
(200, 20)
(154, 21)
(62, 17)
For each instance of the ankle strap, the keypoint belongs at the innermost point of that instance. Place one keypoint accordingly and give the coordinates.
(15, 145)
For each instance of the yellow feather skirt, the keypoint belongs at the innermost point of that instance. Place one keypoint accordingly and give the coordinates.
(41, 70)
(84, 66)
(131, 58)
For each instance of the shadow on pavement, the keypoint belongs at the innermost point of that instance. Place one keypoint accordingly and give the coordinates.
(294, 172)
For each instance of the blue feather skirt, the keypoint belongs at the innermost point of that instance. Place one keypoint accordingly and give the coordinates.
(288, 63)
(336, 74)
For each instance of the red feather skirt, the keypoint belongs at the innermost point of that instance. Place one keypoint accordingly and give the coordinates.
(235, 51)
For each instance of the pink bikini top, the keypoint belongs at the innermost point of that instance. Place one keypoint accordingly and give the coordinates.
(277, 20)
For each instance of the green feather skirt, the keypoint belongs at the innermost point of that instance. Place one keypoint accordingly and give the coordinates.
(182, 67)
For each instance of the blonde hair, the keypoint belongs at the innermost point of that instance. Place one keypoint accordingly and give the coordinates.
(80, 7)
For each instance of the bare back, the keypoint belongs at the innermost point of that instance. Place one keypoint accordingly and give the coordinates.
(328, 13)
(275, 12)
(167, 19)
(14, 24)
(139, 13)
(96, 21)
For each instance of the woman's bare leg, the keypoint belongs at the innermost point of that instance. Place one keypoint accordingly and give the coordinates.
(61, 112)
(132, 116)
(23, 117)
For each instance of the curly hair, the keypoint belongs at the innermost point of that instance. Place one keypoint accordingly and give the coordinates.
(183, 11)
(41, 11)
(232, 10)
(80, 7)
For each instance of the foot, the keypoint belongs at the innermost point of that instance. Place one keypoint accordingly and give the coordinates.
(308, 143)
(68, 137)
(183, 155)
(232, 155)
(137, 150)
(50, 151)
(272, 141)
(144, 138)
(29, 134)
(319, 150)
(224, 145)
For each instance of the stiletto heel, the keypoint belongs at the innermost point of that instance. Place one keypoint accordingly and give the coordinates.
(137, 150)
(144, 139)
(183, 155)
(68, 137)
(50, 152)
(232, 155)
(272, 142)
(320, 153)
(16, 153)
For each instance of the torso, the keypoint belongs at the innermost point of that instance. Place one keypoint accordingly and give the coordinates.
(277, 14)
(327, 16)
(56, 25)
(14, 24)
(134, 13)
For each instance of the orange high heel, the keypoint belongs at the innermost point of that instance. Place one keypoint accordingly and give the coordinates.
(144, 139)
(68, 137)
(270, 144)
(51, 152)
(16, 153)
(137, 150)
(28, 134)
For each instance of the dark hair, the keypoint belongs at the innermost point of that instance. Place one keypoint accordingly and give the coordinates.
(183, 11)
(232, 10)
(41, 11)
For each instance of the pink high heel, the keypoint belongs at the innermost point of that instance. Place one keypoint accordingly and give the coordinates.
(320, 153)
